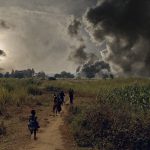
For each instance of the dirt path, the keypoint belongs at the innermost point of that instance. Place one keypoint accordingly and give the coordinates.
(50, 137)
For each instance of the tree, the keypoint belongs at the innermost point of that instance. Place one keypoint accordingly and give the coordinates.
(1, 75)
(7, 75)
(41, 75)
(111, 76)
(12, 73)
(64, 74)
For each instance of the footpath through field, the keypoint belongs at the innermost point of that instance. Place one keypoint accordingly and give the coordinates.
(50, 137)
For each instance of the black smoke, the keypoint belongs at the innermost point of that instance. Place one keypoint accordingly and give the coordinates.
(90, 66)
(89, 63)
(125, 25)
(74, 26)
(4, 24)
(2, 53)
(79, 56)
(96, 69)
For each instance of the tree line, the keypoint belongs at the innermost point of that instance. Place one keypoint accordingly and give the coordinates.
(29, 73)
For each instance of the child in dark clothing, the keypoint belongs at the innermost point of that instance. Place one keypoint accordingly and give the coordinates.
(62, 96)
(57, 104)
(33, 124)
(71, 95)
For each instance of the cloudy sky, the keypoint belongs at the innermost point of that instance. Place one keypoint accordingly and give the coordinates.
(97, 36)
(33, 33)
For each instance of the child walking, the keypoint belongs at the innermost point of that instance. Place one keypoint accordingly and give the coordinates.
(33, 124)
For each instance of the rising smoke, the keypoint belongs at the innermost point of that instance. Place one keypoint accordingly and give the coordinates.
(125, 25)
(74, 26)
(79, 56)
(95, 69)
(4, 24)
(89, 64)
(2, 53)
(40, 39)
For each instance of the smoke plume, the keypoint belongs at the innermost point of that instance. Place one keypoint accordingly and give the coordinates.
(89, 63)
(96, 69)
(79, 56)
(125, 25)
(74, 27)
(4, 24)
(2, 53)
(90, 66)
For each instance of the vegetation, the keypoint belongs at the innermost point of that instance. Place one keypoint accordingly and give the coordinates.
(13, 91)
(108, 114)
(114, 121)
(64, 74)
(17, 98)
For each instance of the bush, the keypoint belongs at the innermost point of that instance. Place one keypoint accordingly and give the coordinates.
(51, 78)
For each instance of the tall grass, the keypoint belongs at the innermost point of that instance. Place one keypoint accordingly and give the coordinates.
(17, 91)
(93, 87)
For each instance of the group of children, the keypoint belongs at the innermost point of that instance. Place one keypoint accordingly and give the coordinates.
(58, 102)
(59, 98)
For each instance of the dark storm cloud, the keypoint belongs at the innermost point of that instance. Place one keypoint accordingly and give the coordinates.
(125, 25)
(2, 53)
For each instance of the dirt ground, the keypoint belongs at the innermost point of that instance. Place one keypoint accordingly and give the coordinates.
(51, 137)
(53, 134)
